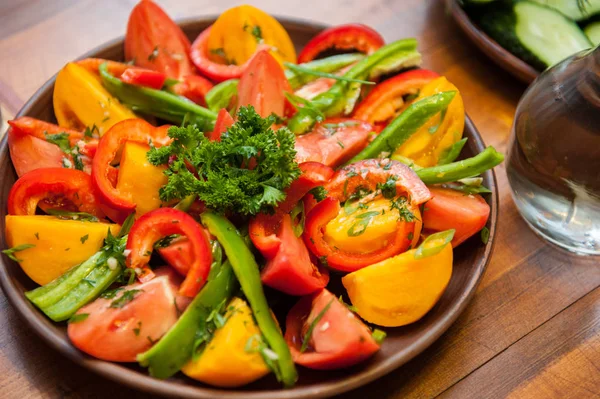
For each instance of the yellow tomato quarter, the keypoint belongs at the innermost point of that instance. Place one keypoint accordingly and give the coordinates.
(58, 244)
(399, 290)
(230, 359)
(438, 134)
(237, 33)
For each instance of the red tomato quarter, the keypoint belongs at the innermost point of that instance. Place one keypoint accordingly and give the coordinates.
(339, 339)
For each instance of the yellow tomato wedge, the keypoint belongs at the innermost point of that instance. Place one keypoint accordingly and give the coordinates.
(81, 101)
(140, 178)
(402, 289)
(230, 358)
(59, 244)
(439, 133)
(237, 33)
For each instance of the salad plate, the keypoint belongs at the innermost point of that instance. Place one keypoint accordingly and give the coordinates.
(401, 345)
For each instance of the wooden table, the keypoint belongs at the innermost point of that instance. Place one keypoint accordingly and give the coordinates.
(532, 330)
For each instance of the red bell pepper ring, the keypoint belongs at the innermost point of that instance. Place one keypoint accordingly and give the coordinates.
(207, 67)
(368, 173)
(384, 95)
(342, 37)
(224, 121)
(263, 228)
(144, 77)
(291, 270)
(162, 222)
(335, 258)
(136, 130)
(56, 186)
(339, 338)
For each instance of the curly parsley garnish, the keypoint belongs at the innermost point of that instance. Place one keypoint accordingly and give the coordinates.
(246, 172)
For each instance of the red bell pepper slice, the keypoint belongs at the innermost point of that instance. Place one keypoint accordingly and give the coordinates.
(64, 188)
(224, 121)
(314, 238)
(368, 173)
(144, 77)
(136, 130)
(379, 107)
(162, 222)
(213, 70)
(194, 87)
(342, 37)
(291, 270)
(263, 227)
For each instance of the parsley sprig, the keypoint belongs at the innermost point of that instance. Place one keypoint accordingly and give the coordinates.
(246, 172)
(62, 141)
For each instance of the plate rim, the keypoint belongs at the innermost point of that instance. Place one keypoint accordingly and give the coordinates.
(142, 381)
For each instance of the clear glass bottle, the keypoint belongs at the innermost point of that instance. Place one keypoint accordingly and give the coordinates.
(553, 162)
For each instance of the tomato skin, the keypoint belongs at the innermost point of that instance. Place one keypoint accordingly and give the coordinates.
(333, 146)
(145, 78)
(194, 87)
(119, 334)
(54, 185)
(162, 222)
(262, 85)
(291, 270)
(338, 340)
(342, 37)
(389, 90)
(178, 255)
(154, 41)
(451, 209)
(213, 70)
(224, 121)
(29, 153)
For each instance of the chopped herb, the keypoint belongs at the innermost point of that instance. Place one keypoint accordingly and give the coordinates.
(110, 294)
(388, 189)
(311, 327)
(149, 338)
(341, 144)
(37, 235)
(153, 54)
(485, 235)
(257, 33)
(84, 238)
(62, 141)
(66, 249)
(410, 236)
(323, 260)
(68, 215)
(350, 307)
(401, 204)
(221, 53)
(125, 298)
(105, 118)
(91, 132)
(137, 330)
(11, 251)
(378, 336)
(319, 193)
(166, 241)
(78, 317)
(361, 226)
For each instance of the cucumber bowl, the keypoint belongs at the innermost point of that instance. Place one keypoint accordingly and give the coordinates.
(402, 344)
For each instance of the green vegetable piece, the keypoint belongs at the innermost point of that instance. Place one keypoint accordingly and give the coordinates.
(485, 235)
(186, 203)
(221, 94)
(378, 335)
(592, 31)
(247, 272)
(159, 103)
(451, 153)
(434, 244)
(311, 327)
(401, 60)
(329, 64)
(175, 348)
(469, 167)
(10, 252)
(320, 74)
(404, 125)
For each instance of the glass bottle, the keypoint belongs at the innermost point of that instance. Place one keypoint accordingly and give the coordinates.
(553, 162)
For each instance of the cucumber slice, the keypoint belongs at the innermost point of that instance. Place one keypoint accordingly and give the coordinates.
(592, 31)
(574, 9)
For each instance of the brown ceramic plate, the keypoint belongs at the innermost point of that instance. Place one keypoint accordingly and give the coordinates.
(401, 345)
(490, 47)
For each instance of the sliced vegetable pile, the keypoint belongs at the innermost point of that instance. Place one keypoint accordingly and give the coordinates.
(156, 242)
(540, 32)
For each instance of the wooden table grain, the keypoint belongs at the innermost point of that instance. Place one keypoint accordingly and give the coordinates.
(531, 331)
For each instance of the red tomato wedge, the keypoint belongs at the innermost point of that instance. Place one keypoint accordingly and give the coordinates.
(154, 41)
(178, 255)
(291, 270)
(342, 37)
(119, 328)
(333, 142)
(263, 84)
(367, 174)
(29, 153)
(338, 340)
(224, 121)
(451, 209)
(56, 186)
(144, 77)
(194, 87)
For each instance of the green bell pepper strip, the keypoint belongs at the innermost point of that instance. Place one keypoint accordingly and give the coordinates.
(331, 64)
(469, 167)
(221, 94)
(159, 103)
(247, 272)
(452, 152)
(333, 101)
(405, 125)
(176, 347)
(401, 60)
